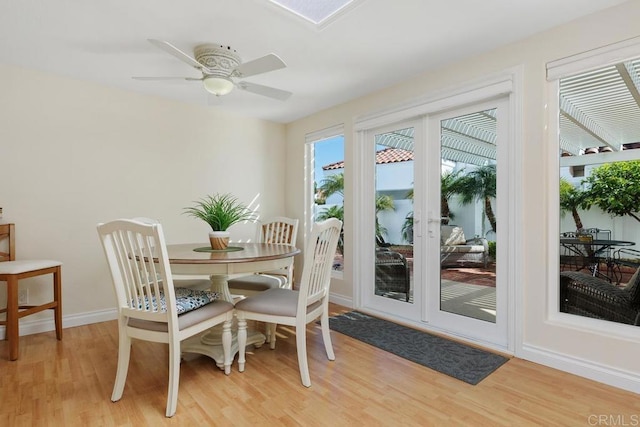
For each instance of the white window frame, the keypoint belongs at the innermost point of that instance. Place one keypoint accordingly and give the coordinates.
(556, 70)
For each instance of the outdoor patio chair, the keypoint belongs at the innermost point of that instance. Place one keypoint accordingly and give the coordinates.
(590, 296)
(624, 259)
(392, 273)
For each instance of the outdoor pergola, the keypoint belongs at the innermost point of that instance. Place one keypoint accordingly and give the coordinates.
(599, 112)
(600, 109)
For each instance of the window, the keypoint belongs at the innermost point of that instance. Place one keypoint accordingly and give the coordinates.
(597, 118)
(325, 165)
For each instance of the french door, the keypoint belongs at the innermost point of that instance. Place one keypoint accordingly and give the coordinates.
(436, 221)
(389, 155)
(467, 226)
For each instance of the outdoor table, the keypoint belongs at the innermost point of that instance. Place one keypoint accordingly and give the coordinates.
(590, 252)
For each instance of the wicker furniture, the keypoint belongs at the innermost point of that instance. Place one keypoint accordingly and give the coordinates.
(472, 251)
(456, 250)
(392, 273)
(590, 296)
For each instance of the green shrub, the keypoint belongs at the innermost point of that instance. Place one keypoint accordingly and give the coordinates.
(492, 250)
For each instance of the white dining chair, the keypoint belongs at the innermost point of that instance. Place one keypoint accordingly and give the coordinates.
(149, 307)
(297, 307)
(193, 282)
(281, 231)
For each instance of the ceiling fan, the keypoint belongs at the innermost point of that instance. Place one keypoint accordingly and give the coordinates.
(220, 65)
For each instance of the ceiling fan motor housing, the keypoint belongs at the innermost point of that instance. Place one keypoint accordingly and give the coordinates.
(220, 60)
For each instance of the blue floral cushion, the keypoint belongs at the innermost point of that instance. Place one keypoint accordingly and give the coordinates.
(186, 300)
(190, 299)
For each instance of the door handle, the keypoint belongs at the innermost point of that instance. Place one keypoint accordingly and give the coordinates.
(430, 223)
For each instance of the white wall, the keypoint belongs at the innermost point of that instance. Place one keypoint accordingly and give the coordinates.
(606, 356)
(74, 154)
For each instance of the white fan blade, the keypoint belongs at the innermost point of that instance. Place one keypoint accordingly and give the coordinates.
(265, 64)
(172, 50)
(271, 92)
(166, 78)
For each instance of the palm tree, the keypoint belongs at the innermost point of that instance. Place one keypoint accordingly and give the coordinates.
(450, 184)
(333, 184)
(480, 185)
(334, 212)
(331, 212)
(383, 203)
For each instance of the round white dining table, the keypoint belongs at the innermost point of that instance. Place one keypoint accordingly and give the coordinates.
(239, 258)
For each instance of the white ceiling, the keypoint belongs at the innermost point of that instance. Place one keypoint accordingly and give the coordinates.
(374, 45)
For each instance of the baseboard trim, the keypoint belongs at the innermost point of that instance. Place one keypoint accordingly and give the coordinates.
(341, 300)
(583, 368)
(36, 326)
(605, 374)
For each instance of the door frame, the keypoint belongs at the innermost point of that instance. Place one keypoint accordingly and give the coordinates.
(506, 83)
(473, 329)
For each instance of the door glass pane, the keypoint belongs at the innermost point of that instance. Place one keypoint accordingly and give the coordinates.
(600, 193)
(394, 170)
(468, 222)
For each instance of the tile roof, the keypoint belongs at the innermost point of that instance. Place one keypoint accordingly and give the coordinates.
(388, 155)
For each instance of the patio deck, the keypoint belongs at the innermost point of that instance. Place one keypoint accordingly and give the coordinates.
(467, 291)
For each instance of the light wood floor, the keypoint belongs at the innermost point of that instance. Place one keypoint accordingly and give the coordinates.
(69, 383)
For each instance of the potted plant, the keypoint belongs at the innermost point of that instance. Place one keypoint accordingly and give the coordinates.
(220, 211)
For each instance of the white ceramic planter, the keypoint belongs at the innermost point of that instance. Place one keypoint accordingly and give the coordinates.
(219, 239)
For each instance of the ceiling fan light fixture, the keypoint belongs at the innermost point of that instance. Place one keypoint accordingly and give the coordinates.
(218, 85)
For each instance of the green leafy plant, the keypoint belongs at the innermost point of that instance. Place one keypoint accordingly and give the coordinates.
(407, 228)
(220, 211)
(571, 198)
(492, 249)
(615, 188)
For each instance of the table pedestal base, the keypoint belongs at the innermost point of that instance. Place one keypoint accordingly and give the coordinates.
(209, 343)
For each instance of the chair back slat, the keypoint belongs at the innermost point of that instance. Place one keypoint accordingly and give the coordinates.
(140, 270)
(7, 234)
(279, 230)
(282, 231)
(318, 260)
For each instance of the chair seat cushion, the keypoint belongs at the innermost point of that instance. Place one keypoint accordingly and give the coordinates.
(25, 265)
(451, 235)
(257, 282)
(186, 300)
(277, 302)
(462, 248)
(186, 320)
